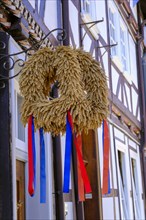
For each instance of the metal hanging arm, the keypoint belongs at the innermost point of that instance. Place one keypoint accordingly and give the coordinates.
(92, 24)
(107, 46)
(9, 61)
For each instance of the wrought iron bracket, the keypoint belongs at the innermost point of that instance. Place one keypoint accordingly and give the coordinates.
(8, 61)
(107, 46)
(92, 24)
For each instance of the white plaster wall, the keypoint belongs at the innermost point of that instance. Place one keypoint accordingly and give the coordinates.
(73, 19)
(115, 77)
(108, 208)
(101, 13)
(50, 18)
(134, 101)
(32, 2)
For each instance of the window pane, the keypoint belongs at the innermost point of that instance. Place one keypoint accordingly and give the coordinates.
(112, 28)
(20, 127)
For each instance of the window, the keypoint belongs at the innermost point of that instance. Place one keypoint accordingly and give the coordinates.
(89, 7)
(20, 127)
(118, 32)
(112, 27)
(88, 14)
(122, 185)
(123, 48)
(135, 190)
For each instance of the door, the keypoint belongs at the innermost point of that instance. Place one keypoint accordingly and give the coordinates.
(20, 184)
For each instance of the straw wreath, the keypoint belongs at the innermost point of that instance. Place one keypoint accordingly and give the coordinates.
(82, 90)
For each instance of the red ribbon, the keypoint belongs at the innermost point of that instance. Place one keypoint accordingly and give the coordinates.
(106, 144)
(79, 156)
(30, 159)
(81, 195)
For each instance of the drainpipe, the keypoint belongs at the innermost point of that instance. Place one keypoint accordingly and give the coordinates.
(142, 88)
(6, 206)
(144, 117)
(57, 158)
(66, 42)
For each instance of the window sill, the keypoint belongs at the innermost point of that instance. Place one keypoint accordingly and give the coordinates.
(93, 30)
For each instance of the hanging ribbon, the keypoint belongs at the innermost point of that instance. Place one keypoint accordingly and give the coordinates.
(34, 152)
(31, 157)
(42, 168)
(79, 156)
(82, 167)
(81, 195)
(67, 162)
(106, 150)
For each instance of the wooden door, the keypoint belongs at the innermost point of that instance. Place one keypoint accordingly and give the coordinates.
(92, 205)
(20, 184)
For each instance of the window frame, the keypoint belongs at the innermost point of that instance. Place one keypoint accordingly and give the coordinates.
(87, 17)
(21, 145)
(124, 150)
(117, 59)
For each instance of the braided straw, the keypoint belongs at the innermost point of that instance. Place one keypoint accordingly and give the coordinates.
(82, 87)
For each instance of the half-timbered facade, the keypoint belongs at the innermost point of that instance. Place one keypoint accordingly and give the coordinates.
(112, 31)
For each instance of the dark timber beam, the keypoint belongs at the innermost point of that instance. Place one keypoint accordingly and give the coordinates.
(5, 154)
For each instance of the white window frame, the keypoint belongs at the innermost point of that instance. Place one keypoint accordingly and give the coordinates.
(117, 59)
(87, 16)
(137, 189)
(128, 202)
(113, 11)
(21, 145)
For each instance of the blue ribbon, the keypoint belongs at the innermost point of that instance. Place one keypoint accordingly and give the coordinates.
(34, 152)
(109, 185)
(42, 168)
(67, 162)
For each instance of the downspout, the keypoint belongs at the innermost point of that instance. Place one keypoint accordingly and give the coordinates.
(142, 87)
(57, 158)
(144, 125)
(66, 42)
(6, 205)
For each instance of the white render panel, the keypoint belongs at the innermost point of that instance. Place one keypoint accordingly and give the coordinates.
(128, 96)
(73, 19)
(108, 208)
(132, 144)
(115, 77)
(86, 42)
(100, 9)
(134, 101)
(104, 58)
(138, 117)
(120, 94)
(50, 17)
(32, 2)
(120, 135)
